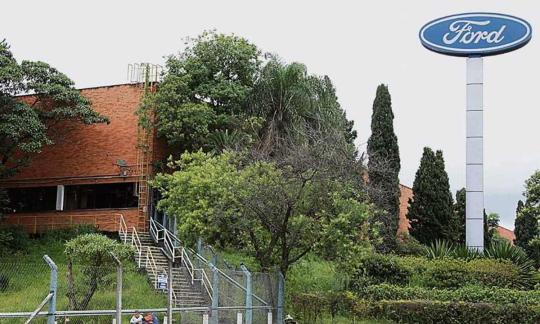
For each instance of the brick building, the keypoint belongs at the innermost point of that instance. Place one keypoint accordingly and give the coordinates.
(406, 193)
(94, 173)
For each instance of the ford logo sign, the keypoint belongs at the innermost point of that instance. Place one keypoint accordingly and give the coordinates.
(475, 34)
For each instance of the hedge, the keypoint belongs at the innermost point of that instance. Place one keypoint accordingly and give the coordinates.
(447, 312)
(442, 273)
(311, 306)
(465, 294)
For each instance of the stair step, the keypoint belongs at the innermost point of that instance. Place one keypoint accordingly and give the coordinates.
(188, 294)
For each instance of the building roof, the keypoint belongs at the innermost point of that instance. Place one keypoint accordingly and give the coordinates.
(506, 234)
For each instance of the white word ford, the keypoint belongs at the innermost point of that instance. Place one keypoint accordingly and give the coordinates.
(461, 31)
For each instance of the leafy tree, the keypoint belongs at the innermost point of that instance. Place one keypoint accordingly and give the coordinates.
(384, 166)
(295, 107)
(204, 90)
(276, 214)
(526, 226)
(458, 224)
(27, 124)
(491, 222)
(92, 254)
(430, 210)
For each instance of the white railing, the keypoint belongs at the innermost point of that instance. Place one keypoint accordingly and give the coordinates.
(150, 263)
(136, 241)
(156, 230)
(122, 228)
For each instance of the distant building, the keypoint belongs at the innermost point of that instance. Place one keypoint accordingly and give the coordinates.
(94, 173)
(404, 225)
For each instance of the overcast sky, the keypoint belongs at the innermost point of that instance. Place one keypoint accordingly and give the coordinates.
(359, 44)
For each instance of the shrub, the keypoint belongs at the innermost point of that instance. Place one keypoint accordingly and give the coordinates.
(378, 268)
(465, 253)
(465, 294)
(66, 234)
(448, 273)
(447, 312)
(454, 273)
(13, 239)
(440, 249)
(408, 245)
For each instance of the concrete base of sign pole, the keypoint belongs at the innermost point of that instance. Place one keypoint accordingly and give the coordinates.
(474, 222)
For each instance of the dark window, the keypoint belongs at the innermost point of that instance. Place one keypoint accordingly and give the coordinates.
(32, 199)
(113, 195)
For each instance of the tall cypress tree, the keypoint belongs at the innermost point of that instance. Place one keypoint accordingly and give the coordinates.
(459, 216)
(431, 209)
(383, 167)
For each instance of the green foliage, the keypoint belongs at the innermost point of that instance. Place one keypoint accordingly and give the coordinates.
(383, 167)
(453, 273)
(534, 247)
(13, 239)
(295, 107)
(431, 212)
(277, 215)
(465, 294)
(447, 312)
(204, 90)
(379, 268)
(440, 249)
(458, 224)
(463, 252)
(408, 245)
(26, 126)
(94, 254)
(29, 276)
(66, 234)
(448, 273)
(527, 227)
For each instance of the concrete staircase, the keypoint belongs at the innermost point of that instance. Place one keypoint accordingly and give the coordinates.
(186, 293)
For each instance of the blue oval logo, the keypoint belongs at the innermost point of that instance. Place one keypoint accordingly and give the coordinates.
(475, 34)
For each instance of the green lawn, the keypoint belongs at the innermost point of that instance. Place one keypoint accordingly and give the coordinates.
(28, 282)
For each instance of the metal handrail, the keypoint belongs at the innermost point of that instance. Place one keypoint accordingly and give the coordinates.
(136, 241)
(155, 230)
(206, 284)
(122, 228)
(226, 276)
(150, 262)
(189, 265)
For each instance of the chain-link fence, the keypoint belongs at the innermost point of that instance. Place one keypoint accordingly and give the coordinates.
(225, 295)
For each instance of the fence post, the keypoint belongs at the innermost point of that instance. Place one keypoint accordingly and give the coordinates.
(51, 319)
(249, 295)
(119, 279)
(169, 292)
(215, 294)
(281, 298)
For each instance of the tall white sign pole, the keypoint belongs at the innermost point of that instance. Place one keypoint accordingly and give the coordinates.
(474, 223)
(475, 35)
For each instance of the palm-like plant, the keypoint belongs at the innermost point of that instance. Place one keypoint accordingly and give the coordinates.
(440, 249)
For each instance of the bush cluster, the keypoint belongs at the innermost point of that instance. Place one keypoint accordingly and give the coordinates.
(13, 239)
(465, 294)
(66, 234)
(447, 312)
(312, 306)
(445, 273)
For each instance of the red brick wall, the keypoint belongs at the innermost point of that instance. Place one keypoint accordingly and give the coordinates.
(93, 150)
(405, 194)
(104, 219)
(88, 154)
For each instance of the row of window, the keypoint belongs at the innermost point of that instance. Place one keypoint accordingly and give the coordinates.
(114, 195)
